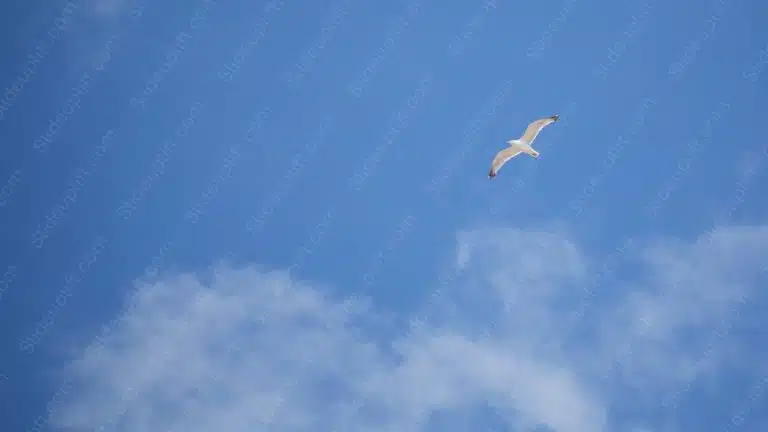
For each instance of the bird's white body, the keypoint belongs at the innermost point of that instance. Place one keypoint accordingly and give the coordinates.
(521, 145)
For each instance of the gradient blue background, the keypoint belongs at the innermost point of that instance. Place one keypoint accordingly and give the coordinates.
(559, 80)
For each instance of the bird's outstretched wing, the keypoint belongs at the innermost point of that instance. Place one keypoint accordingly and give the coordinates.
(535, 127)
(501, 158)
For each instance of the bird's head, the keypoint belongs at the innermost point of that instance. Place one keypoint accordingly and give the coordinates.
(555, 117)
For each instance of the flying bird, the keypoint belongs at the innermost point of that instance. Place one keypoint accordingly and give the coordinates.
(521, 145)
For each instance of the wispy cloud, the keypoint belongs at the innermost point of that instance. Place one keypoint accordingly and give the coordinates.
(108, 8)
(249, 349)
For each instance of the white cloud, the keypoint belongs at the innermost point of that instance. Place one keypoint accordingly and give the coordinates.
(249, 349)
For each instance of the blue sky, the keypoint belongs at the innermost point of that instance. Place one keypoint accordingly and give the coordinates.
(272, 216)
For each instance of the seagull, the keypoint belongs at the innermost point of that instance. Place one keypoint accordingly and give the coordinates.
(521, 145)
